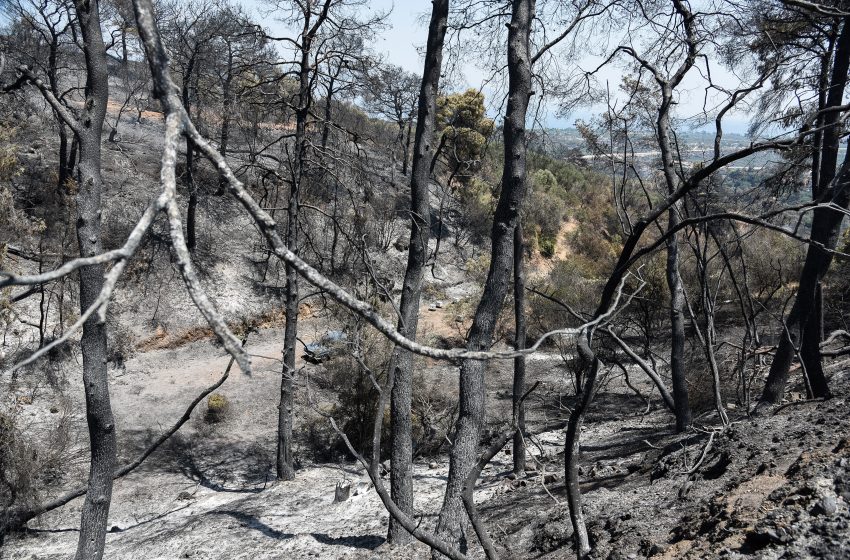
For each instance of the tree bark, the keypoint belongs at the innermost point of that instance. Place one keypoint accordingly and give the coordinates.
(677, 328)
(464, 453)
(810, 349)
(226, 108)
(519, 344)
(803, 321)
(406, 155)
(285, 467)
(572, 449)
(326, 125)
(53, 83)
(101, 423)
(674, 278)
(826, 228)
(401, 475)
(192, 208)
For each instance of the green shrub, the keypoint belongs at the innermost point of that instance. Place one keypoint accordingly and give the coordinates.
(217, 408)
(547, 246)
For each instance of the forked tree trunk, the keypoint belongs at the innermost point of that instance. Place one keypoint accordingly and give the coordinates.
(101, 423)
(451, 525)
(401, 475)
(802, 326)
(826, 229)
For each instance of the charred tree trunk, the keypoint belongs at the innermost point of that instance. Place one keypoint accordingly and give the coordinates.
(464, 453)
(192, 208)
(285, 467)
(64, 173)
(53, 82)
(335, 235)
(826, 228)
(810, 348)
(226, 108)
(72, 155)
(803, 321)
(674, 279)
(572, 448)
(401, 475)
(406, 154)
(612, 285)
(326, 125)
(677, 328)
(188, 180)
(519, 344)
(98, 408)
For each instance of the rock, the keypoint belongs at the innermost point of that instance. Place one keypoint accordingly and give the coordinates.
(685, 489)
(760, 537)
(343, 491)
(826, 506)
(402, 244)
(657, 549)
(512, 476)
(433, 465)
(361, 488)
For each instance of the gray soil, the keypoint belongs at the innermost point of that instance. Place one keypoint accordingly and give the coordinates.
(771, 487)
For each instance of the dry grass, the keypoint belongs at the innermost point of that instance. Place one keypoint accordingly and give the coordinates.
(163, 340)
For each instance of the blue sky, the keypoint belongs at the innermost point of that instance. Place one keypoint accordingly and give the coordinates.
(407, 29)
(406, 32)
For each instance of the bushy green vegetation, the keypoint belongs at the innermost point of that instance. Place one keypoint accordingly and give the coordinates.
(217, 408)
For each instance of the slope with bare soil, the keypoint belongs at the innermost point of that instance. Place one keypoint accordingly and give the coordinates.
(770, 487)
